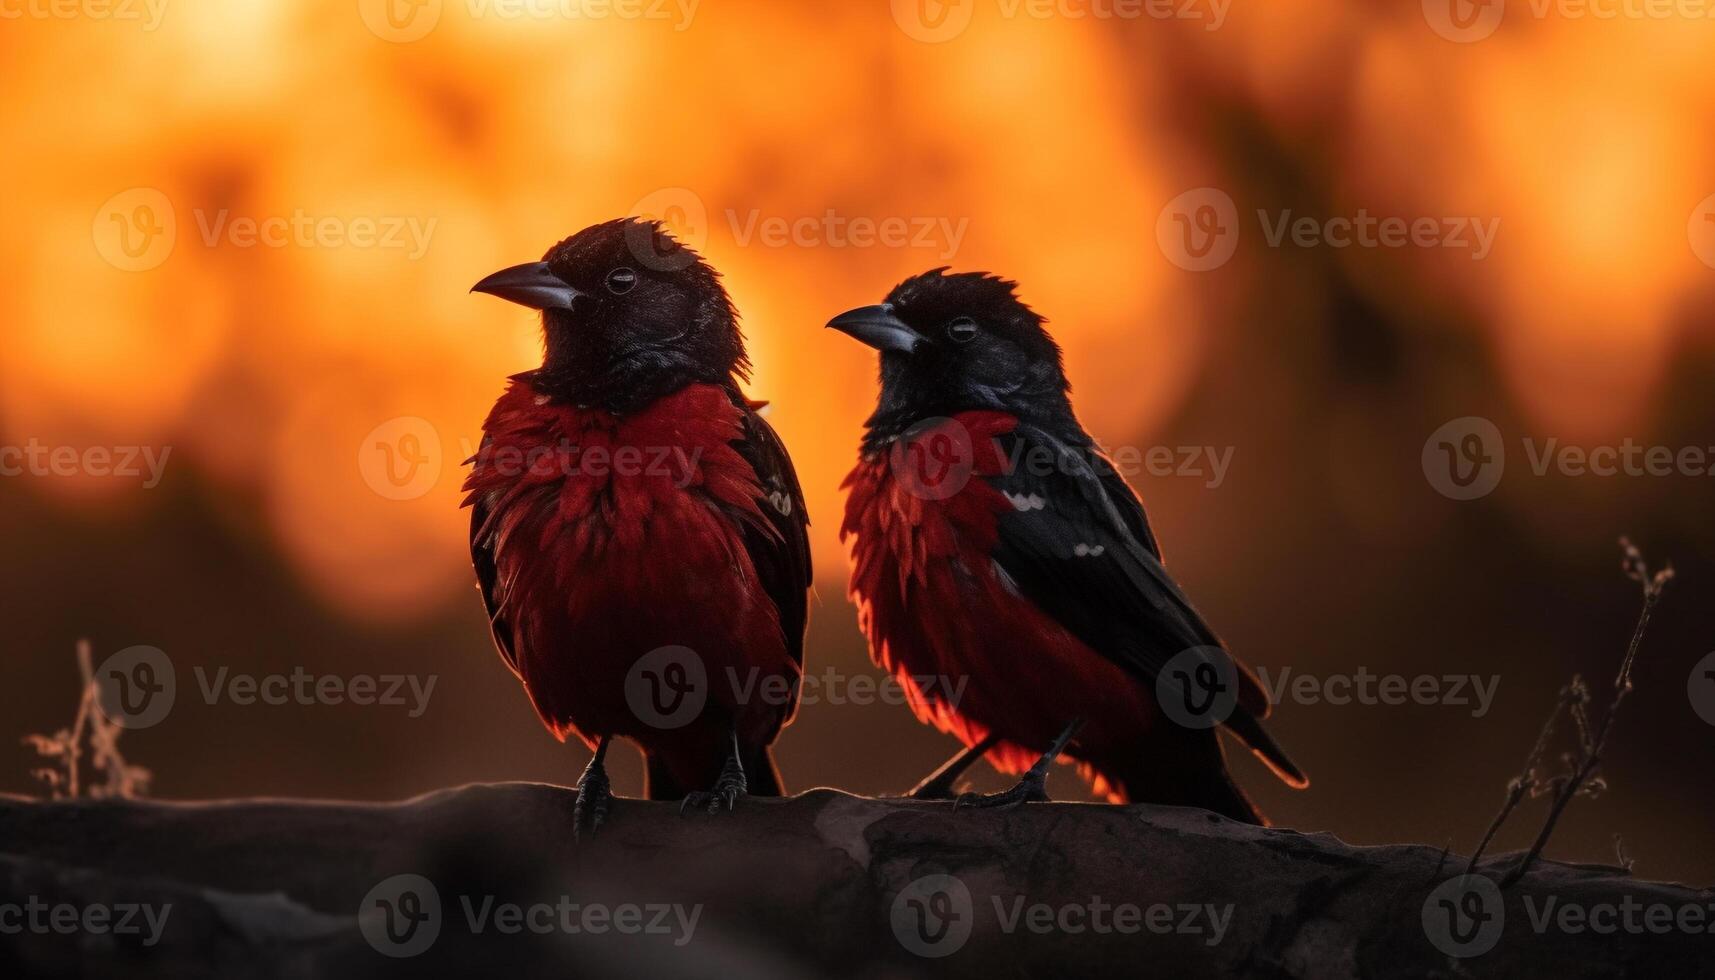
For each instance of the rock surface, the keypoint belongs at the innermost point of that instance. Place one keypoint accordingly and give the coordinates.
(822, 884)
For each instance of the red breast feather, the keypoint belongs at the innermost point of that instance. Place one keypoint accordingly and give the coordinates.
(616, 536)
(972, 655)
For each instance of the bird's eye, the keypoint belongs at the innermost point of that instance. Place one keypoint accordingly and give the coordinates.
(962, 330)
(621, 281)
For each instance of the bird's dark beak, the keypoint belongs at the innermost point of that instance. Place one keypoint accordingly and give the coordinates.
(532, 285)
(879, 328)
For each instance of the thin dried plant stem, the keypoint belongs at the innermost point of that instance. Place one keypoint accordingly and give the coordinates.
(1574, 700)
(65, 747)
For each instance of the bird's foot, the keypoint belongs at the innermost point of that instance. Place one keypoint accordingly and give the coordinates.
(595, 796)
(1033, 788)
(727, 790)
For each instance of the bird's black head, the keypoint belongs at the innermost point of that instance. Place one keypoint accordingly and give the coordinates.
(955, 343)
(628, 315)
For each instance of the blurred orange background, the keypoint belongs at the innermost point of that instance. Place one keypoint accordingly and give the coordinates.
(246, 231)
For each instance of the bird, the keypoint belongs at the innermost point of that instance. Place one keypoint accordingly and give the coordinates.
(638, 532)
(997, 551)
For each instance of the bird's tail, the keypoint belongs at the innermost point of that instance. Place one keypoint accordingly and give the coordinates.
(1205, 783)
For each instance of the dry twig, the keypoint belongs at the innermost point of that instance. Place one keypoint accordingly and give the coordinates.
(1578, 775)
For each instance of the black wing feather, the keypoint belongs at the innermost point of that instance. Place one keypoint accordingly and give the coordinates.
(1079, 545)
(781, 558)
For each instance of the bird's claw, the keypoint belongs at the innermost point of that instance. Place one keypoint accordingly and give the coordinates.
(595, 796)
(711, 800)
(726, 790)
(1033, 788)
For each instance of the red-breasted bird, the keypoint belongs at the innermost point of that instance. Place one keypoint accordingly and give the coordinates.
(638, 532)
(996, 547)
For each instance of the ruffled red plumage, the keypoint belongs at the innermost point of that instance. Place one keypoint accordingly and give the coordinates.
(934, 605)
(615, 536)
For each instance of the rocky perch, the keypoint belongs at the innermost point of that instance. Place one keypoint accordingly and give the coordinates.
(483, 879)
